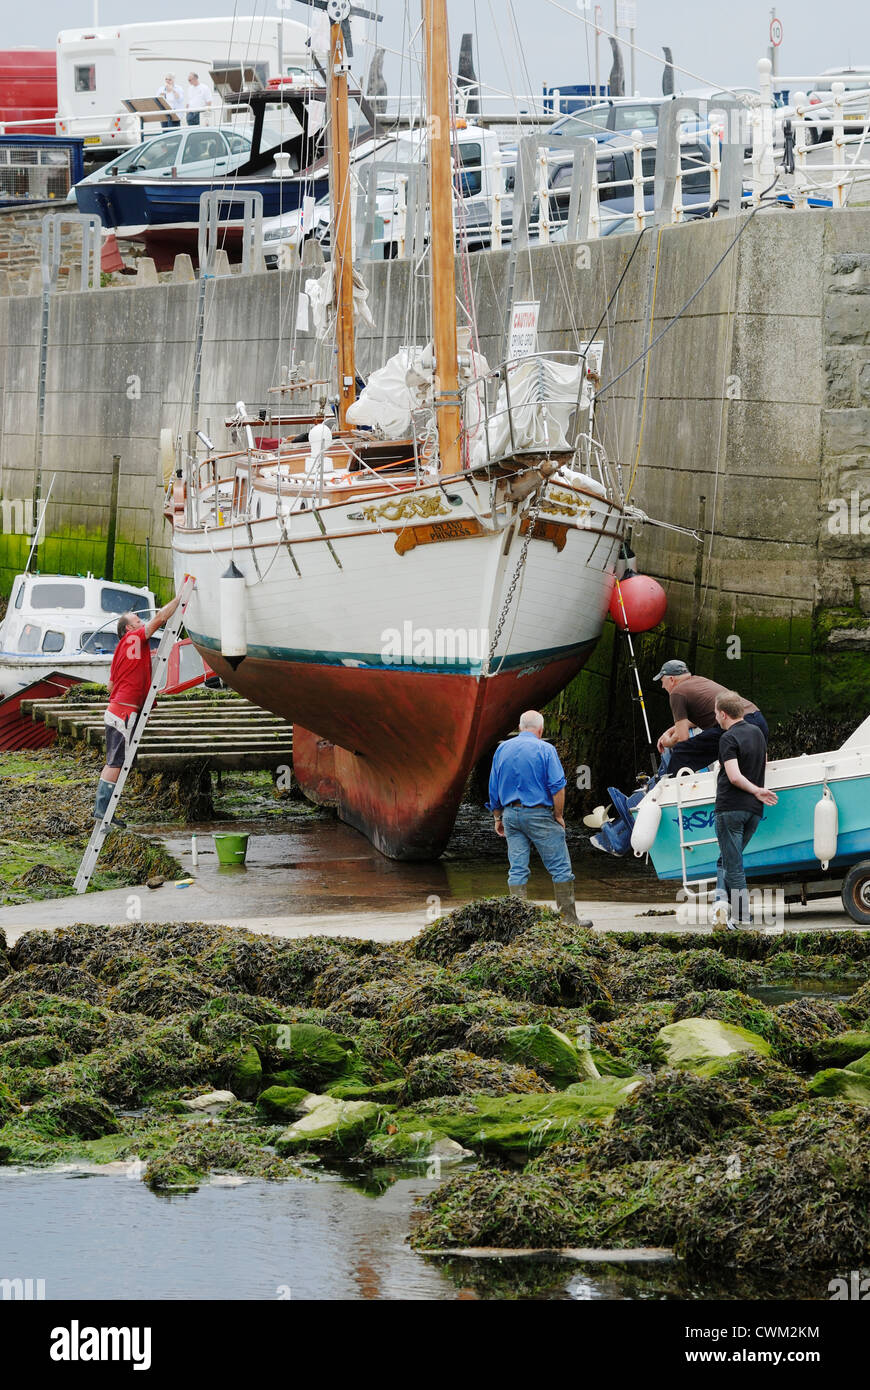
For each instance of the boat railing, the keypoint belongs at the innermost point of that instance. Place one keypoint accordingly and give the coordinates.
(522, 408)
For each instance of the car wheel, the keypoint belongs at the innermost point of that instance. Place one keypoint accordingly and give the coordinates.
(856, 892)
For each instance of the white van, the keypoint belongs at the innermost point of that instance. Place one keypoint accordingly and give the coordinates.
(97, 70)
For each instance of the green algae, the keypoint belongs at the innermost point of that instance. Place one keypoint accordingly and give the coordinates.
(381, 1054)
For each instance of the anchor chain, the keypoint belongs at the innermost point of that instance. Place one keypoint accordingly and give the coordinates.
(534, 511)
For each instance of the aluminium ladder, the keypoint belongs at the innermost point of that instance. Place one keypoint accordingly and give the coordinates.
(101, 830)
(697, 890)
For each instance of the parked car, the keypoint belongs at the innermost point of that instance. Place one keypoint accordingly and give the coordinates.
(192, 151)
(819, 119)
(615, 169)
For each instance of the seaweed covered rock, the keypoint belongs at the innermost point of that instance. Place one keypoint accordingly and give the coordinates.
(840, 1050)
(543, 1049)
(733, 1007)
(52, 979)
(296, 967)
(695, 1042)
(38, 1050)
(243, 1070)
(159, 992)
(634, 1033)
(456, 1073)
(77, 1116)
(9, 1105)
(518, 1126)
(534, 970)
(499, 920)
(853, 1086)
(202, 1149)
(672, 1114)
(278, 1104)
(711, 970)
(763, 1083)
(306, 1054)
(439, 1026)
(802, 1026)
(855, 1009)
(337, 1126)
(803, 1190)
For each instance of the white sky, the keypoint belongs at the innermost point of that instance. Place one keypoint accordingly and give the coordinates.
(719, 42)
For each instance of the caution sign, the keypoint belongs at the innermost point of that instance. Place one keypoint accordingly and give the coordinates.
(524, 329)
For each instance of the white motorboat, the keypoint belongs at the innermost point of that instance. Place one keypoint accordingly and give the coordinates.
(65, 623)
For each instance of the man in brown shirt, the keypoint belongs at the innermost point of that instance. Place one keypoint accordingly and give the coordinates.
(693, 705)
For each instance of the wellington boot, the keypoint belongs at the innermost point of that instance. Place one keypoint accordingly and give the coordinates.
(565, 903)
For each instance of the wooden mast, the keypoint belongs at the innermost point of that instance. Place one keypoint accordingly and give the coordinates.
(342, 243)
(442, 244)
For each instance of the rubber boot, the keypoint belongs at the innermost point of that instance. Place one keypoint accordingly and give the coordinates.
(517, 890)
(104, 795)
(565, 903)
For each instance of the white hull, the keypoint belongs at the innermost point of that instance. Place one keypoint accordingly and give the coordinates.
(354, 600)
(18, 672)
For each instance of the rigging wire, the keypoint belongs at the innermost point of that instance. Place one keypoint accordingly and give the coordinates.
(692, 297)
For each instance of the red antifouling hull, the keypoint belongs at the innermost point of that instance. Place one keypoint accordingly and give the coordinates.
(392, 749)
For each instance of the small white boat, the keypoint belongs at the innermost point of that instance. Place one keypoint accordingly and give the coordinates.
(65, 623)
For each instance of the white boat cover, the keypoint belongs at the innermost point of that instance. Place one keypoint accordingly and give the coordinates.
(321, 296)
(543, 401)
(405, 383)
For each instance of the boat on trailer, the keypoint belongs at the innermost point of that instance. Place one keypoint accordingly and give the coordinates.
(407, 584)
(815, 842)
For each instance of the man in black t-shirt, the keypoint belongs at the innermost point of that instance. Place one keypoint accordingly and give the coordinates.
(740, 794)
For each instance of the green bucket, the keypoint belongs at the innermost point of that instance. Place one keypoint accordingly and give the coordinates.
(231, 849)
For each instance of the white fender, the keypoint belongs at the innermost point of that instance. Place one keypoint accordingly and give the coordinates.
(234, 637)
(646, 825)
(825, 828)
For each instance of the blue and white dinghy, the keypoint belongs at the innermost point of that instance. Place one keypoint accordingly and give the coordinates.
(813, 843)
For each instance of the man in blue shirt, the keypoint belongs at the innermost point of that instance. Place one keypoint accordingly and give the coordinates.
(527, 799)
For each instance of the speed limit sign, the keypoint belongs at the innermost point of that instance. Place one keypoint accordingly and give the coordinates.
(776, 32)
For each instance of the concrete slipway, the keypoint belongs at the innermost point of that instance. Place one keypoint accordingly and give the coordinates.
(335, 884)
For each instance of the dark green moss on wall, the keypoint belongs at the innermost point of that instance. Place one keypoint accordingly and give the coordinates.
(79, 553)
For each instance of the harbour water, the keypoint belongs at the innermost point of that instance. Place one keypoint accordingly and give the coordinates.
(101, 1235)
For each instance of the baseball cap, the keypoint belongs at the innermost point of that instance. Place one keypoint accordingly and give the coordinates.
(672, 668)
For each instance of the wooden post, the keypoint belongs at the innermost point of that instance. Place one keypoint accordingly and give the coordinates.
(112, 528)
(442, 245)
(342, 251)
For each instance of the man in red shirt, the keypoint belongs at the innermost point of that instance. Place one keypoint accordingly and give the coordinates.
(129, 681)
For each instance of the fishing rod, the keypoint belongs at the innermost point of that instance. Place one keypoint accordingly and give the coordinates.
(39, 524)
(627, 630)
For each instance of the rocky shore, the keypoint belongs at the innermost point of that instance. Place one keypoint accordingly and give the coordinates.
(583, 1090)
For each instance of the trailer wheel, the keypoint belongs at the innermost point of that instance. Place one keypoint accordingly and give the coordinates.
(856, 892)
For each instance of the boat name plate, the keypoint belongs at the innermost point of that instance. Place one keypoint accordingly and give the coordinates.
(457, 529)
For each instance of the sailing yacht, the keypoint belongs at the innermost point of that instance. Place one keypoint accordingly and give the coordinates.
(404, 585)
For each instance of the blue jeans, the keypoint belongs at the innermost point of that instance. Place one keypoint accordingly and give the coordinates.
(734, 830)
(193, 117)
(525, 826)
